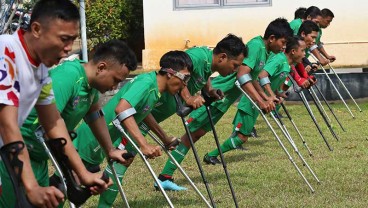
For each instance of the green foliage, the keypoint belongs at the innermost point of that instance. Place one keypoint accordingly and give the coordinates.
(111, 19)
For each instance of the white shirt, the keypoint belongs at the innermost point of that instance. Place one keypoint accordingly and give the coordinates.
(23, 82)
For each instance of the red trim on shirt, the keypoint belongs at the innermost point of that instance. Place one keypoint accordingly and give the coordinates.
(21, 38)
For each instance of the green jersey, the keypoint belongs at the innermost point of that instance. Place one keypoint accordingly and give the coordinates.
(202, 61)
(295, 25)
(141, 93)
(278, 68)
(73, 96)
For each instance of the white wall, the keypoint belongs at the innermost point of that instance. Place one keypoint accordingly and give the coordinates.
(168, 29)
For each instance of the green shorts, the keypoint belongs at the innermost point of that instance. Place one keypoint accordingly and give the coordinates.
(244, 122)
(198, 119)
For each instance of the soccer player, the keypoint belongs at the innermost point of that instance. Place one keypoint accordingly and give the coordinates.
(135, 101)
(271, 78)
(260, 48)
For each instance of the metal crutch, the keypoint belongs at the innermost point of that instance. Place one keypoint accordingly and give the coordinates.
(120, 186)
(292, 143)
(329, 107)
(305, 102)
(296, 128)
(117, 124)
(346, 89)
(39, 132)
(208, 100)
(333, 85)
(143, 126)
(183, 111)
(277, 138)
(320, 104)
(323, 116)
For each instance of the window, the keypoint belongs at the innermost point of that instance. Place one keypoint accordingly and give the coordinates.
(200, 4)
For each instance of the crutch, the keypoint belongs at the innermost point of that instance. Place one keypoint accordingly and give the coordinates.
(313, 96)
(144, 127)
(286, 133)
(39, 132)
(207, 104)
(305, 102)
(120, 187)
(329, 107)
(320, 104)
(296, 128)
(346, 89)
(333, 85)
(9, 154)
(183, 111)
(277, 138)
(117, 124)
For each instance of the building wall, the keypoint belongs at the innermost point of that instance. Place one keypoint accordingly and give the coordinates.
(168, 29)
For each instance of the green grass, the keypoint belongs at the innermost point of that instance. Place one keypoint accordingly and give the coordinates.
(263, 176)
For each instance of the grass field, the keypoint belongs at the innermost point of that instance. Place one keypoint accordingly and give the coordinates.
(263, 176)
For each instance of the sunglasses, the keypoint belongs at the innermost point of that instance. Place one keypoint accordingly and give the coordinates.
(183, 77)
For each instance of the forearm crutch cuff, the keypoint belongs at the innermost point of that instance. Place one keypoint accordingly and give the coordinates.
(313, 47)
(244, 79)
(91, 117)
(125, 114)
(263, 81)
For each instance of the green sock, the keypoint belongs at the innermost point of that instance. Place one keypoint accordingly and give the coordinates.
(230, 144)
(179, 154)
(108, 197)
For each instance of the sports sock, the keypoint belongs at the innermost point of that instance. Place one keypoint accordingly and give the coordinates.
(230, 144)
(179, 154)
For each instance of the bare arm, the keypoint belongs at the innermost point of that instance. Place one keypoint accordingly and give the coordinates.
(132, 127)
(10, 132)
(193, 101)
(100, 131)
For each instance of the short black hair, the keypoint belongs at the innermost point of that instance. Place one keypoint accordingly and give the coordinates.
(308, 27)
(313, 12)
(116, 51)
(299, 13)
(293, 43)
(280, 28)
(327, 13)
(45, 10)
(232, 45)
(176, 60)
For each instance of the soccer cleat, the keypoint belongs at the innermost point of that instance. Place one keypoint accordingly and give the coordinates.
(254, 132)
(169, 185)
(211, 160)
(242, 148)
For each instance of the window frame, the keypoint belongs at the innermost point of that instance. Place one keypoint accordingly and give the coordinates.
(221, 5)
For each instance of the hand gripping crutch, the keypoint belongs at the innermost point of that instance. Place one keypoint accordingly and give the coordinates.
(329, 107)
(333, 85)
(276, 136)
(346, 89)
(313, 96)
(120, 187)
(207, 104)
(183, 111)
(144, 127)
(296, 129)
(39, 132)
(117, 124)
(292, 143)
(76, 193)
(9, 154)
(305, 102)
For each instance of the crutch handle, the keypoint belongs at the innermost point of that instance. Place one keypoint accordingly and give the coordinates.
(129, 155)
(208, 99)
(181, 110)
